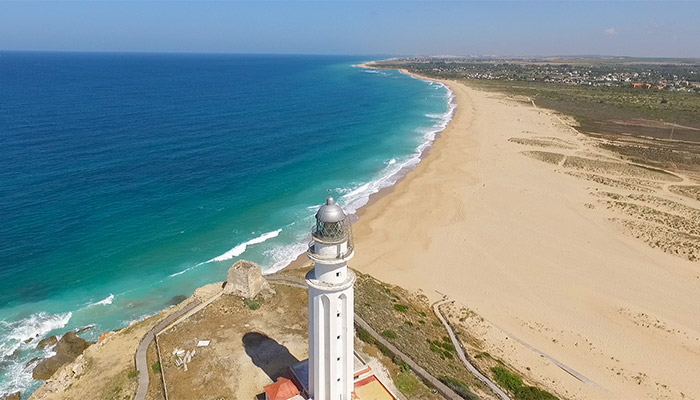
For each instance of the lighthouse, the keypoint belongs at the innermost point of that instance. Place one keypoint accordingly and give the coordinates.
(330, 306)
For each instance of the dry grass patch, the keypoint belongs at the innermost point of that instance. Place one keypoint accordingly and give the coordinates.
(692, 192)
(543, 142)
(545, 156)
(618, 168)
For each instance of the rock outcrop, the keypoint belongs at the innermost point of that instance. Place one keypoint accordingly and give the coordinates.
(245, 279)
(68, 348)
(47, 342)
(13, 396)
(61, 380)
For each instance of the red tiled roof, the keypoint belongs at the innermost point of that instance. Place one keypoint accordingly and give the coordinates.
(283, 389)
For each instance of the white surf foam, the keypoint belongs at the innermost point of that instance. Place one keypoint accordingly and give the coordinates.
(240, 249)
(355, 197)
(15, 335)
(104, 302)
(395, 170)
(284, 255)
(33, 327)
(18, 378)
(234, 252)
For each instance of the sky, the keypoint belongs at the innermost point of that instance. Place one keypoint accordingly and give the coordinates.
(618, 28)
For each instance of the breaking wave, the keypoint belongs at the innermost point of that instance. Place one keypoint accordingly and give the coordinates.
(18, 336)
(104, 302)
(15, 333)
(234, 252)
(239, 249)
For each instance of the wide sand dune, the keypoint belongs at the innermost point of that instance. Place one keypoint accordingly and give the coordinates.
(532, 250)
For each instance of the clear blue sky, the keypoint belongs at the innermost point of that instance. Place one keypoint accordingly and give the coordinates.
(669, 29)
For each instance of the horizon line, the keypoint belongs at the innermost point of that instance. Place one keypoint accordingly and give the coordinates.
(143, 52)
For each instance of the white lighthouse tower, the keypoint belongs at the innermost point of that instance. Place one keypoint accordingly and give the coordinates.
(331, 306)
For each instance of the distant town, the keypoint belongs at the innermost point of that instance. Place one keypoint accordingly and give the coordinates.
(678, 75)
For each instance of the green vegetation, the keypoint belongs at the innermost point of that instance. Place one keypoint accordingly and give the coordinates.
(363, 335)
(533, 393)
(402, 308)
(407, 383)
(594, 107)
(435, 349)
(404, 367)
(444, 349)
(458, 386)
(506, 379)
(133, 374)
(517, 387)
(252, 304)
(447, 344)
(418, 332)
(156, 367)
(389, 334)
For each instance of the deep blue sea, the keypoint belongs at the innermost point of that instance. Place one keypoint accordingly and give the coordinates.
(129, 179)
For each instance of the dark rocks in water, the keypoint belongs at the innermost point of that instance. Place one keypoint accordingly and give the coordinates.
(67, 349)
(32, 361)
(177, 300)
(13, 396)
(47, 342)
(85, 328)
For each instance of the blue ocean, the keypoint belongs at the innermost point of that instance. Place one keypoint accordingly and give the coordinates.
(129, 179)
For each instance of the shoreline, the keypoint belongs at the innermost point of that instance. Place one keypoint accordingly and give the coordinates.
(302, 261)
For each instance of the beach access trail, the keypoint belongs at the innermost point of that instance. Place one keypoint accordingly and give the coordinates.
(530, 250)
(140, 357)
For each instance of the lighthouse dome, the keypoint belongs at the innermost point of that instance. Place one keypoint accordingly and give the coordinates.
(330, 212)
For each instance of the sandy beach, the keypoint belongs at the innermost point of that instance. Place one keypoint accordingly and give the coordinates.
(532, 250)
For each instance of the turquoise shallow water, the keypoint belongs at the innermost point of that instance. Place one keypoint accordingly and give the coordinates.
(129, 179)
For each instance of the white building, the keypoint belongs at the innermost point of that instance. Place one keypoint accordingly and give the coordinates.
(331, 306)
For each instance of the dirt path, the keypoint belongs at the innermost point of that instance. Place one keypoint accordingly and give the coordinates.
(140, 357)
(462, 356)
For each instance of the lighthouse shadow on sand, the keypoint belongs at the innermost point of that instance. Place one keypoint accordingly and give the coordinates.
(267, 354)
